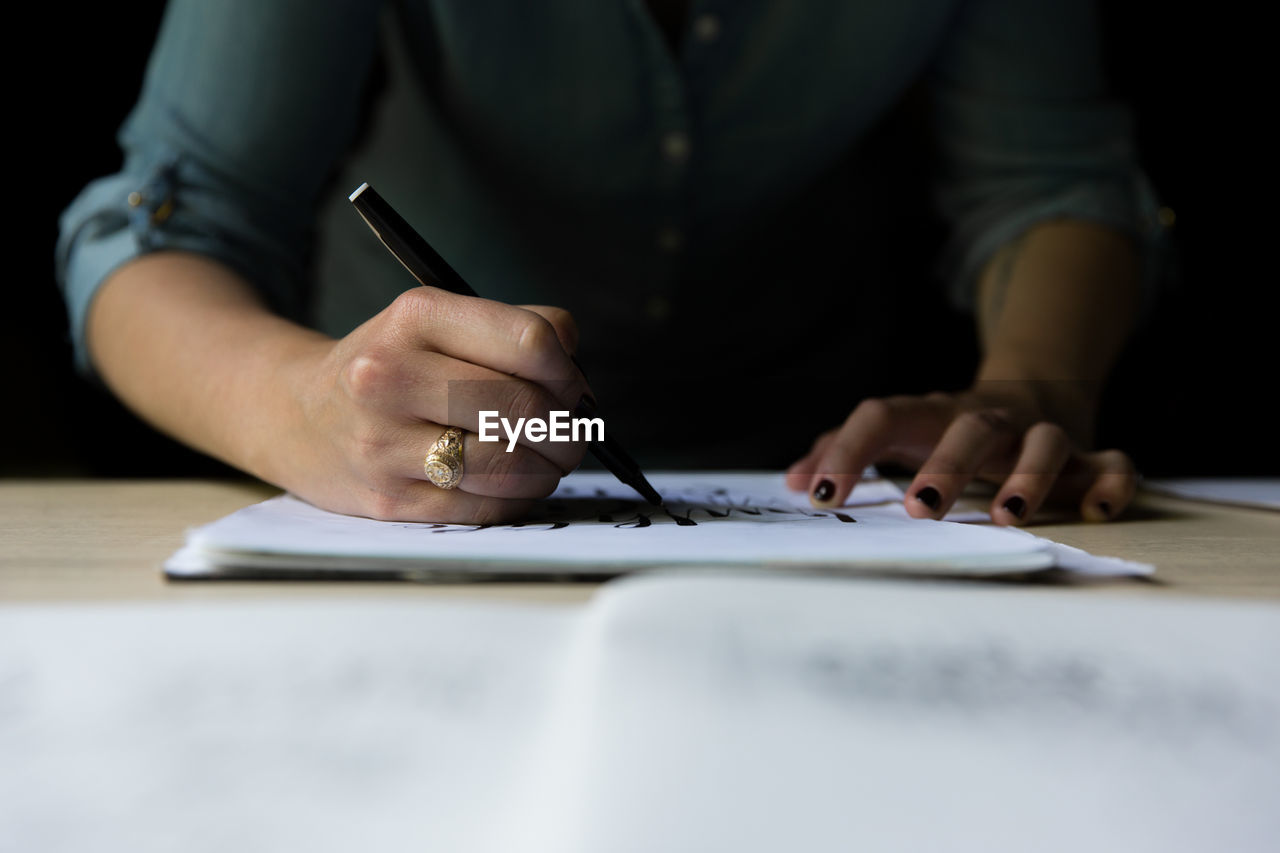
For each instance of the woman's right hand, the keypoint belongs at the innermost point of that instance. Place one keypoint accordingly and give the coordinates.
(366, 409)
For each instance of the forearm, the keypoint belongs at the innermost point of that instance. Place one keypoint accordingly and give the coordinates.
(188, 345)
(1055, 309)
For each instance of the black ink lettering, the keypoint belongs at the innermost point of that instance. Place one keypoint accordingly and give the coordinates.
(538, 525)
(452, 528)
(682, 520)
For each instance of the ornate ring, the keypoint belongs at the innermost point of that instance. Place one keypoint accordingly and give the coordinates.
(443, 465)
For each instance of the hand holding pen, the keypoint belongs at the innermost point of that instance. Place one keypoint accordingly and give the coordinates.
(438, 357)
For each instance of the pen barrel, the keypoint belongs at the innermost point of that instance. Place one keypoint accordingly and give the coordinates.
(408, 246)
(611, 455)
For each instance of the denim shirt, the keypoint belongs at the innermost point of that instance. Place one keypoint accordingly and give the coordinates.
(562, 152)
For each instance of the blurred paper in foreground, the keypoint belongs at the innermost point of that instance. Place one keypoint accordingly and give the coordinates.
(674, 713)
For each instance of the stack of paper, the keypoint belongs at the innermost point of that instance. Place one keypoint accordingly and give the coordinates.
(595, 526)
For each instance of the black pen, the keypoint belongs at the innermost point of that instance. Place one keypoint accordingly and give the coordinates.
(426, 265)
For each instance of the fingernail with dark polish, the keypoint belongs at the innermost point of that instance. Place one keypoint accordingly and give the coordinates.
(587, 403)
(1105, 507)
(1016, 505)
(824, 491)
(929, 497)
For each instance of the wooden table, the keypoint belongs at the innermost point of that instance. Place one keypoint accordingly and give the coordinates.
(90, 540)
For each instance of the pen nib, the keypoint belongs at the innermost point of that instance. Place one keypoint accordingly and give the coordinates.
(647, 491)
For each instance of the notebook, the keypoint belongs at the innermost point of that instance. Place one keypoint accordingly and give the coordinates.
(594, 527)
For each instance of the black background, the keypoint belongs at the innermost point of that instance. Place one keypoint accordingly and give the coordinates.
(1192, 394)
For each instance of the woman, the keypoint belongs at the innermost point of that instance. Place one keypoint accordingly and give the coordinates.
(675, 175)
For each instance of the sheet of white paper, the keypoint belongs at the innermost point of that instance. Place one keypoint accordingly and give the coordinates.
(1065, 557)
(678, 713)
(775, 713)
(1262, 492)
(385, 726)
(594, 524)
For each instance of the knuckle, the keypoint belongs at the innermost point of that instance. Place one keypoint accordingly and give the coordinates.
(514, 475)
(1050, 431)
(562, 321)
(822, 442)
(525, 400)
(417, 310)
(370, 445)
(410, 304)
(502, 472)
(1117, 462)
(536, 338)
(994, 419)
(874, 412)
(368, 376)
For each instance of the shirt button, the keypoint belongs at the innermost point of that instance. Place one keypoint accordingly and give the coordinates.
(675, 145)
(706, 28)
(669, 239)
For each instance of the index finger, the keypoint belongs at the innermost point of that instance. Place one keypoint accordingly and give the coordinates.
(872, 428)
(505, 338)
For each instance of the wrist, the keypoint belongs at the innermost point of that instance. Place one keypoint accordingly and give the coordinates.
(281, 390)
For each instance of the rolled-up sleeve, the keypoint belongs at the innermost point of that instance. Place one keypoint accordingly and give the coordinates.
(1027, 134)
(244, 110)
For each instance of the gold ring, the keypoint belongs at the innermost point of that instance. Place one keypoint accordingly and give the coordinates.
(443, 465)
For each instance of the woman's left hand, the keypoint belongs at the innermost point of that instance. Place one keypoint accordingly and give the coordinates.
(999, 434)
